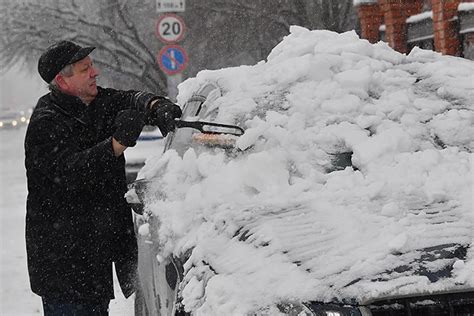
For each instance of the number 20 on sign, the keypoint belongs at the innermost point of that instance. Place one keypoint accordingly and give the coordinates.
(170, 28)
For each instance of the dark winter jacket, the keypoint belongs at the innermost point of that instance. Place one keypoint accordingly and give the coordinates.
(77, 220)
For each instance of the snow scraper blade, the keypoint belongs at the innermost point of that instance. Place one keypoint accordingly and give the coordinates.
(211, 128)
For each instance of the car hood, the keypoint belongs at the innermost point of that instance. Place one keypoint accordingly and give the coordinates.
(353, 180)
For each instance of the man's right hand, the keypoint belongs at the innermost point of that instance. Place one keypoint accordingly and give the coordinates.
(128, 126)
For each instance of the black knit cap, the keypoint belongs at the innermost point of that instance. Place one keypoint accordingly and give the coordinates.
(57, 56)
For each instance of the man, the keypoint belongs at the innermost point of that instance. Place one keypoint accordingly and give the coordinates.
(78, 222)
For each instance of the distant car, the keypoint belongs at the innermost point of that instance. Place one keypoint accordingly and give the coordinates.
(14, 119)
(10, 120)
(350, 193)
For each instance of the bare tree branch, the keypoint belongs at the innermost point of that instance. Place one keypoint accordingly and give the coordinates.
(220, 33)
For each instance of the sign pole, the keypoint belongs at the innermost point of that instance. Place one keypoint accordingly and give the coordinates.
(173, 81)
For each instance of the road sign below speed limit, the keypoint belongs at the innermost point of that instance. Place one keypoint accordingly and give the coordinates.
(170, 28)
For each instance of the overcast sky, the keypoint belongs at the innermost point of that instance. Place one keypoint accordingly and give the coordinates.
(20, 89)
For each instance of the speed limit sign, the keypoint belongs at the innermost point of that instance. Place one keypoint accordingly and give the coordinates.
(170, 28)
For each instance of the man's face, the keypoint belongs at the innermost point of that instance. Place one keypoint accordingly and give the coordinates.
(82, 83)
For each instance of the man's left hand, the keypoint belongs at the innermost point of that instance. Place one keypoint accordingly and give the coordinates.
(162, 113)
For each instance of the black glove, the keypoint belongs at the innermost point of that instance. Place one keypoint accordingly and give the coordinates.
(129, 125)
(162, 114)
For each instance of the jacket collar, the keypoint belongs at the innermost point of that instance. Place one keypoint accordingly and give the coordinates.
(71, 105)
(68, 103)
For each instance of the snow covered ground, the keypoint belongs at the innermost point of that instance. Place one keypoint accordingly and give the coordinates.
(271, 225)
(16, 297)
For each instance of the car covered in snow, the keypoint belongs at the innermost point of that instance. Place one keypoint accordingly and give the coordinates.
(13, 119)
(349, 193)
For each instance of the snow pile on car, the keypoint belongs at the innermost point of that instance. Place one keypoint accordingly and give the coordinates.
(277, 223)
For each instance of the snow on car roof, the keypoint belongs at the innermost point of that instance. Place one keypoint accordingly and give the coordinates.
(272, 225)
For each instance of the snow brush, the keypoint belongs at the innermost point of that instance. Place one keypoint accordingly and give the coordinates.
(210, 128)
